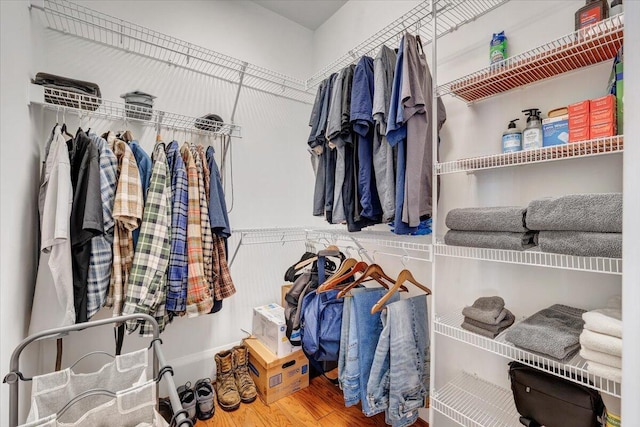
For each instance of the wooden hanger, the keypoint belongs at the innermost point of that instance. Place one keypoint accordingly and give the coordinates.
(349, 267)
(308, 261)
(374, 271)
(404, 276)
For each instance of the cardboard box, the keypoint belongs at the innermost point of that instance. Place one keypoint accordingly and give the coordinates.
(601, 131)
(582, 107)
(270, 327)
(579, 120)
(605, 103)
(578, 134)
(555, 131)
(602, 117)
(620, 97)
(285, 288)
(275, 377)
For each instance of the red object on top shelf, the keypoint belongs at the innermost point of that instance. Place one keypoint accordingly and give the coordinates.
(585, 47)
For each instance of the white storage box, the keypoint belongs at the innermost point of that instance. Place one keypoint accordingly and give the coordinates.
(270, 328)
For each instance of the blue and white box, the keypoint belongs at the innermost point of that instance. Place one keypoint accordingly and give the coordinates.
(555, 131)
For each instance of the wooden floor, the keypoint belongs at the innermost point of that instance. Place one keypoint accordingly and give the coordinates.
(320, 404)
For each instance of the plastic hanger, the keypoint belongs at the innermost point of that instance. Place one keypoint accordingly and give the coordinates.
(404, 276)
(306, 262)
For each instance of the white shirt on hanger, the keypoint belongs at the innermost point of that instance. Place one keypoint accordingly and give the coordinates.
(53, 299)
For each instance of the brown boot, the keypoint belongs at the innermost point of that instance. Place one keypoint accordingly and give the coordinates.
(226, 389)
(246, 386)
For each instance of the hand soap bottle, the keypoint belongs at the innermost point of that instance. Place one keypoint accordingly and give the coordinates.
(512, 138)
(532, 134)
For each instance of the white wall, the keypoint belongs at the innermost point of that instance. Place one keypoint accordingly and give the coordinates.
(19, 182)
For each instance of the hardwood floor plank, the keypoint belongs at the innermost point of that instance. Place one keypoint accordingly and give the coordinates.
(296, 413)
(316, 404)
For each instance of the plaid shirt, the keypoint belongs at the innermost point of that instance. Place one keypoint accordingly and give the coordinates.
(146, 289)
(223, 285)
(205, 225)
(178, 264)
(205, 169)
(127, 214)
(102, 246)
(199, 299)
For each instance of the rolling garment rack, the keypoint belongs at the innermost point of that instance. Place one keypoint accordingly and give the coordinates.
(160, 366)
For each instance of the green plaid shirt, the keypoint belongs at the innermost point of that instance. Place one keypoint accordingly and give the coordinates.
(147, 286)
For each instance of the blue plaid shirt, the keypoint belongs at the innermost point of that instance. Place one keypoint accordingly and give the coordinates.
(102, 246)
(178, 262)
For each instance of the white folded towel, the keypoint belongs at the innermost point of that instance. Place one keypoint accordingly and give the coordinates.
(605, 371)
(602, 358)
(606, 321)
(602, 343)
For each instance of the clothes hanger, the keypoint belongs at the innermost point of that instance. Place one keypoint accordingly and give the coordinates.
(404, 276)
(373, 271)
(345, 268)
(306, 262)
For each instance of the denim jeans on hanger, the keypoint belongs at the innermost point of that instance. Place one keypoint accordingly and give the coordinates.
(409, 359)
(378, 385)
(344, 341)
(369, 327)
(350, 381)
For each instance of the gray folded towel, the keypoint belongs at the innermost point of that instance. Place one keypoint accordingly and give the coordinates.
(489, 310)
(490, 239)
(600, 212)
(480, 331)
(581, 243)
(495, 329)
(507, 218)
(554, 331)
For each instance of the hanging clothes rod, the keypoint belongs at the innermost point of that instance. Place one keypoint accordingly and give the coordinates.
(89, 106)
(159, 362)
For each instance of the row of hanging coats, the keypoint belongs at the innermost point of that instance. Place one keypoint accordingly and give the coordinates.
(371, 141)
(384, 360)
(128, 231)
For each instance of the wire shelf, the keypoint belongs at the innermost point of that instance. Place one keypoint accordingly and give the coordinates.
(597, 43)
(452, 14)
(474, 402)
(80, 21)
(534, 258)
(575, 370)
(85, 105)
(594, 147)
(333, 236)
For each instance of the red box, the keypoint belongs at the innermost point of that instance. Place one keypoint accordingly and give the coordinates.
(604, 103)
(601, 131)
(582, 107)
(579, 120)
(579, 134)
(602, 117)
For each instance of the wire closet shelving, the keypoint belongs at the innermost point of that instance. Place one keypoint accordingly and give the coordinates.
(413, 247)
(533, 258)
(80, 21)
(597, 43)
(474, 402)
(85, 105)
(574, 370)
(594, 147)
(452, 14)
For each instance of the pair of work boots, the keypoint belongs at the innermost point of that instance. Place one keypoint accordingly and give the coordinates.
(199, 400)
(233, 382)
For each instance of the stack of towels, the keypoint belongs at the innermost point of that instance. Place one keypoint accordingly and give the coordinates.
(487, 316)
(578, 224)
(494, 228)
(553, 332)
(601, 341)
